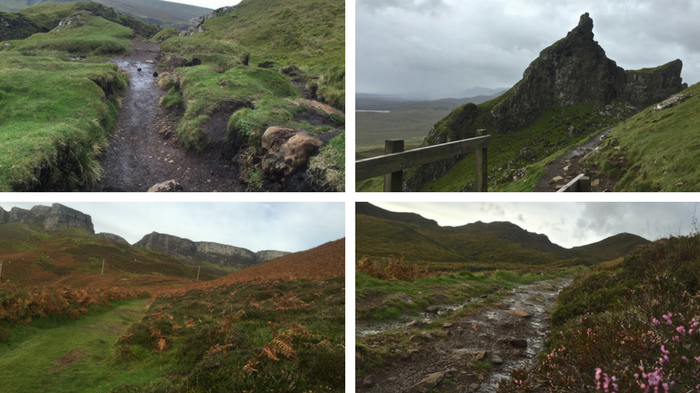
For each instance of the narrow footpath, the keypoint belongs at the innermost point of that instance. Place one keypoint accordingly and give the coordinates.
(141, 152)
(471, 354)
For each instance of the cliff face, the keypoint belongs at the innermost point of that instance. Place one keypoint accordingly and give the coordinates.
(572, 72)
(575, 71)
(50, 218)
(197, 252)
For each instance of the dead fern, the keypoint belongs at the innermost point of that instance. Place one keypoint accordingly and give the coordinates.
(280, 345)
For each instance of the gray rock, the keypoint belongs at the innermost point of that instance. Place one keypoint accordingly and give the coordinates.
(166, 186)
(368, 382)
(427, 383)
(110, 237)
(519, 343)
(432, 309)
(495, 359)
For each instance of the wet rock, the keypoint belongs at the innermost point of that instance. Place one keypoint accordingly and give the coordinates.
(556, 179)
(399, 296)
(519, 313)
(138, 69)
(473, 387)
(285, 150)
(166, 186)
(428, 383)
(368, 382)
(439, 297)
(155, 74)
(518, 343)
(432, 309)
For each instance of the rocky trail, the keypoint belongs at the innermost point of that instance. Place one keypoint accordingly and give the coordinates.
(141, 154)
(569, 165)
(455, 357)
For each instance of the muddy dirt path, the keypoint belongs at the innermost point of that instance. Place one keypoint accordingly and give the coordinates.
(562, 170)
(140, 154)
(507, 335)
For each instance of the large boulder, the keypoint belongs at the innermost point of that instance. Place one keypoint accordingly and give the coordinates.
(285, 150)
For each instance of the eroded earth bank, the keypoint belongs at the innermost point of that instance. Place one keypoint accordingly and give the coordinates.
(442, 352)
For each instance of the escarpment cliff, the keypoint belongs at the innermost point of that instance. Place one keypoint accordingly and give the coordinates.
(49, 218)
(572, 72)
(233, 258)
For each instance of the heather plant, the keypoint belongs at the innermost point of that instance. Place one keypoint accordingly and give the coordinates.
(629, 328)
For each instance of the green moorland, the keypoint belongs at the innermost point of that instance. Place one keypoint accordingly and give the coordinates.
(148, 11)
(629, 326)
(274, 336)
(304, 41)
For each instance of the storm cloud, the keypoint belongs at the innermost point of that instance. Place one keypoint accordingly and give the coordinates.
(446, 46)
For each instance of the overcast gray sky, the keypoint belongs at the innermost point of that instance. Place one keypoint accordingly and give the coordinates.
(213, 4)
(255, 226)
(446, 46)
(566, 224)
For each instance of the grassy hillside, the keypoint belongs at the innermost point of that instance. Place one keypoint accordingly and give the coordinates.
(630, 326)
(654, 150)
(478, 246)
(164, 13)
(304, 44)
(74, 257)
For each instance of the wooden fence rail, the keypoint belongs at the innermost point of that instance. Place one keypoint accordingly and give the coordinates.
(396, 160)
(580, 183)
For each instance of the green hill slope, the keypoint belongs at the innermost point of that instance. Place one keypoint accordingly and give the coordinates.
(163, 13)
(73, 256)
(476, 246)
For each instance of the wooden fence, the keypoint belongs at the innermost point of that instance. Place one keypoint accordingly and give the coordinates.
(392, 164)
(580, 183)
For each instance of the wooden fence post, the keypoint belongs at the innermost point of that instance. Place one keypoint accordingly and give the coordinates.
(482, 173)
(393, 182)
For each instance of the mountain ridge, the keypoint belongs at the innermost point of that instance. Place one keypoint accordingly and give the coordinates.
(497, 244)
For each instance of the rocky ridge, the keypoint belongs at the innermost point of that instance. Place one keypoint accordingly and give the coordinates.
(196, 24)
(49, 218)
(196, 252)
(572, 72)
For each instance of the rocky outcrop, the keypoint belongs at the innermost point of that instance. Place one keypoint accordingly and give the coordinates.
(51, 218)
(110, 237)
(572, 72)
(197, 24)
(16, 26)
(268, 255)
(4, 216)
(198, 252)
(284, 150)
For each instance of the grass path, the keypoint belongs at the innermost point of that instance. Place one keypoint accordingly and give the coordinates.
(75, 356)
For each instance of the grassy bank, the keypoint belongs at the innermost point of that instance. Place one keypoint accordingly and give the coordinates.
(629, 326)
(55, 117)
(277, 336)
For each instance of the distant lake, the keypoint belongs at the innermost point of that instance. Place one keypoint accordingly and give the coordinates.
(371, 111)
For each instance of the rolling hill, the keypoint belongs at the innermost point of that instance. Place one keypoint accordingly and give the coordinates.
(477, 246)
(156, 12)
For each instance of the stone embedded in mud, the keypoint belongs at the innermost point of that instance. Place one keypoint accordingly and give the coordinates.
(166, 186)
(428, 383)
(494, 359)
(519, 313)
(519, 343)
(285, 150)
(432, 309)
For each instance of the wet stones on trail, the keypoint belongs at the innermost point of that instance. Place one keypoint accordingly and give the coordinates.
(141, 154)
(566, 167)
(470, 354)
